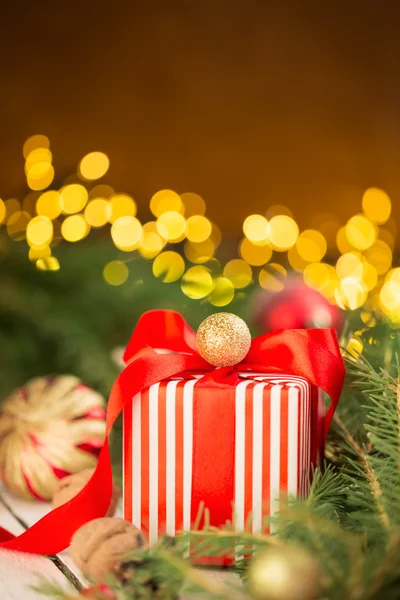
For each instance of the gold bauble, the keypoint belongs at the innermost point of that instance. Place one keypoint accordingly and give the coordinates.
(223, 339)
(286, 572)
(50, 428)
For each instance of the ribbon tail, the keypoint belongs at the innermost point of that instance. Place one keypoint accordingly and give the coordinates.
(53, 532)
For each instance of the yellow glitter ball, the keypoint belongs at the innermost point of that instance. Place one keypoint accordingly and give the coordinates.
(223, 339)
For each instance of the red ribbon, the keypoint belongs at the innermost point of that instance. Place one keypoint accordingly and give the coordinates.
(310, 353)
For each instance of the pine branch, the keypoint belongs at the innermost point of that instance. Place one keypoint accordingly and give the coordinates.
(368, 470)
(195, 579)
(384, 570)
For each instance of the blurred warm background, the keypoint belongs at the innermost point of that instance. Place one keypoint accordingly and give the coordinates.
(186, 155)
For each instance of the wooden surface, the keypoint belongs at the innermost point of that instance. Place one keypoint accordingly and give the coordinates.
(19, 572)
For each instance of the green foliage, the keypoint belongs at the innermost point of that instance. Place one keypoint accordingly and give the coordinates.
(71, 320)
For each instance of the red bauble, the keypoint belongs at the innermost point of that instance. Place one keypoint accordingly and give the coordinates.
(295, 307)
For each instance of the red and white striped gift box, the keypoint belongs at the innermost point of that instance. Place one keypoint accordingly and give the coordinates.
(235, 448)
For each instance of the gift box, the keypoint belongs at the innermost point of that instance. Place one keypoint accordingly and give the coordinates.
(234, 448)
(226, 441)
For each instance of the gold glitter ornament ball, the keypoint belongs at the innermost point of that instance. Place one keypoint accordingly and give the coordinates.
(286, 572)
(223, 339)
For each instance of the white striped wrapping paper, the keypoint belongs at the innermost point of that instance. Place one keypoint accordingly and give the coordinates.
(272, 452)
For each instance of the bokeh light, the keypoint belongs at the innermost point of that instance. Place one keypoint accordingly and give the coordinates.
(126, 232)
(342, 242)
(253, 254)
(12, 206)
(351, 293)
(272, 277)
(283, 232)
(319, 275)
(256, 229)
(222, 293)
(328, 225)
(40, 176)
(166, 201)
(198, 228)
(390, 295)
(17, 224)
(295, 260)
(94, 165)
(387, 237)
(278, 209)
(39, 231)
(115, 272)
(34, 142)
(74, 228)
(216, 235)
(363, 276)
(40, 155)
(311, 245)
(199, 253)
(193, 204)
(393, 274)
(73, 198)
(354, 348)
(154, 227)
(391, 226)
(376, 205)
(49, 204)
(238, 272)
(361, 232)
(197, 283)
(98, 212)
(3, 211)
(368, 318)
(174, 224)
(122, 205)
(102, 191)
(350, 265)
(29, 202)
(169, 266)
(150, 244)
(49, 263)
(379, 255)
(370, 276)
(215, 267)
(41, 252)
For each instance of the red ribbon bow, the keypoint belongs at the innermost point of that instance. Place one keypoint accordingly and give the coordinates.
(310, 353)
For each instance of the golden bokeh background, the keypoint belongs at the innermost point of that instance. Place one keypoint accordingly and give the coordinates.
(228, 144)
(246, 103)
